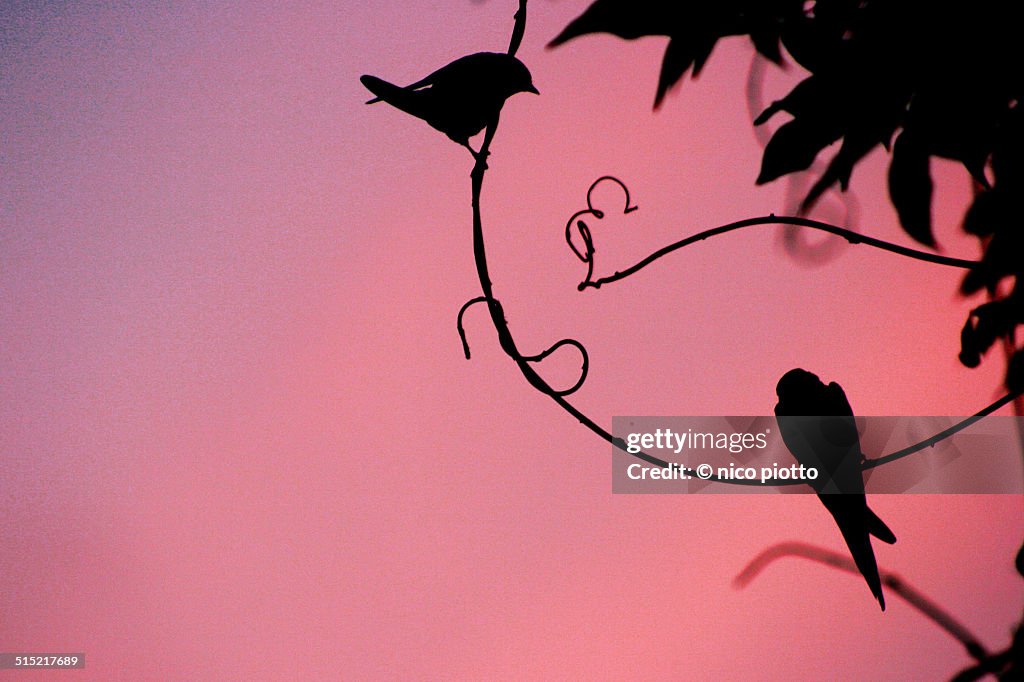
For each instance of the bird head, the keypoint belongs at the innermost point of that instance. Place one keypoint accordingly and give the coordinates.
(518, 78)
(798, 384)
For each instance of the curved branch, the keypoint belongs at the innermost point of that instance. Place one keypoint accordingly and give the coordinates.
(1000, 664)
(458, 322)
(505, 338)
(772, 219)
(942, 435)
(508, 344)
(523, 362)
(518, 29)
(891, 580)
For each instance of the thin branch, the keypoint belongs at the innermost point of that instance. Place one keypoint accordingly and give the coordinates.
(772, 219)
(942, 435)
(523, 362)
(505, 338)
(518, 29)
(891, 580)
(1000, 664)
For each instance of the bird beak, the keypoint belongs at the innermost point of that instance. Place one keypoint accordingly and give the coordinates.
(533, 89)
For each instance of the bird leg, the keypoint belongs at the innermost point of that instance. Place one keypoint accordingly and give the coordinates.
(479, 157)
(485, 146)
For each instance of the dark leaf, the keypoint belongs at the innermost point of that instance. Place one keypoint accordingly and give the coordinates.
(970, 356)
(854, 148)
(808, 98)
(766, 42)
(910, 187)
(794, 147)
(701, 54)
(981, 276)
(995, 320)
(1002, 258)
(1015, 372)
(675, 63)
(625, 19)
(985, 214)
(974, 162)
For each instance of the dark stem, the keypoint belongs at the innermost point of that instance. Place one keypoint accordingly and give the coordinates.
(942, 435)
(894, 582)
(850, 236)
(518, 29)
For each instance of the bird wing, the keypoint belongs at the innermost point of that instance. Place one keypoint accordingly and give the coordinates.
(453, 71)
(877, 527)
(467, 70)
(849, 514)
(840, 432)
(818, 428)
(796, 429)
(398, 97)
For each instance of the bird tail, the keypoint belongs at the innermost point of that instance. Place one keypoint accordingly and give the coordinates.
(859, 543)
(405, 99)
(381, 88)
(877, 527)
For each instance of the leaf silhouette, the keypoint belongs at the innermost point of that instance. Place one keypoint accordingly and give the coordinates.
(693, 29)
(1015, 375)
(628, 20)
(793, 147)
(910, 187)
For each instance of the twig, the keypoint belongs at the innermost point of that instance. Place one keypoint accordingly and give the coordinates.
(458, 323)
(518, 29)
(942, 435)
(894, 582)
(772, 219)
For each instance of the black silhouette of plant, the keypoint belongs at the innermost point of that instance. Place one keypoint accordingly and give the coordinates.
(921, 80)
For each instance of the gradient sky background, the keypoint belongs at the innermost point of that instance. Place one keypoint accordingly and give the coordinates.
(239, 439)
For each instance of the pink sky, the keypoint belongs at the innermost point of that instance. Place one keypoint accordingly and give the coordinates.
(239, 437)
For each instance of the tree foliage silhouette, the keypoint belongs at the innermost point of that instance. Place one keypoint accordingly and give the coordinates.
(920, 79)
(877, 70)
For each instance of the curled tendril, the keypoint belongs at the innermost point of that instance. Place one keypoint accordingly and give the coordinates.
(539, 357)
(583, 371)
(458, 323)
(587, 256)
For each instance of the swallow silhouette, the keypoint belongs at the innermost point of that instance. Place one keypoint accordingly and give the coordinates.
(461, 98)
(817, 425)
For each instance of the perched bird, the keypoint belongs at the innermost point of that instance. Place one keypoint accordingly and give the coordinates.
(817, 425)
(459, 99)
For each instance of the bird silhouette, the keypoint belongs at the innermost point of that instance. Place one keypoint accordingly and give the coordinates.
(817, 425)
(461, 98)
